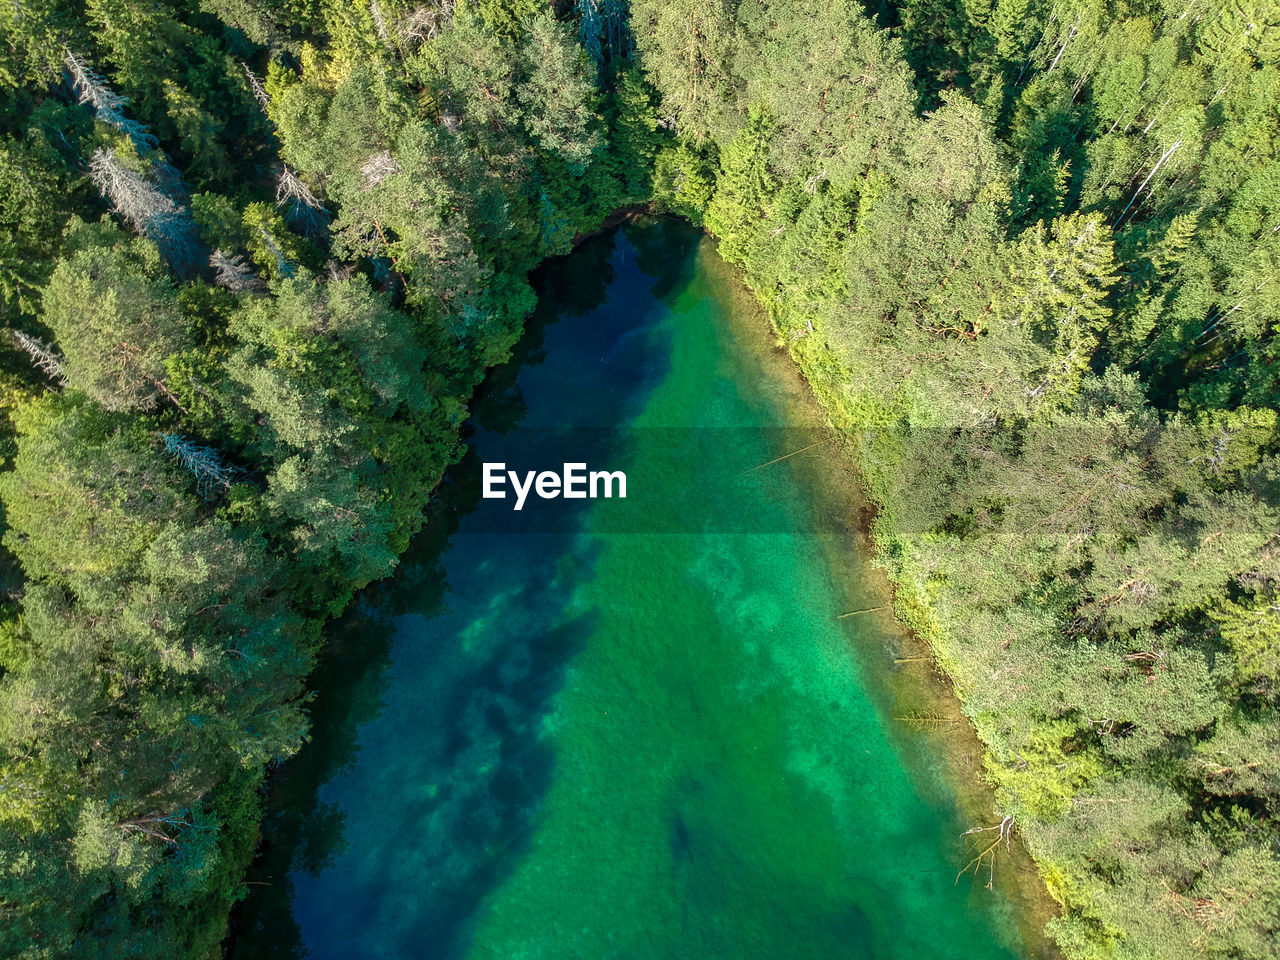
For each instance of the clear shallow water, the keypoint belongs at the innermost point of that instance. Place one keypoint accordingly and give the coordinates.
(582, 731)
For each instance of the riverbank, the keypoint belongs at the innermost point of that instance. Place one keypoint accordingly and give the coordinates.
(917, 691)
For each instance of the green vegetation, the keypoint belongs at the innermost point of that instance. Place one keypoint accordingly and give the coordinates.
(252, 270)
(1037, 290)
(257, 254)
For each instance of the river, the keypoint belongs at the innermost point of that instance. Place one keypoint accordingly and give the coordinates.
(640, 728)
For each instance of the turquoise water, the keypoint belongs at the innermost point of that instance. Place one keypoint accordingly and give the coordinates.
(631, 728)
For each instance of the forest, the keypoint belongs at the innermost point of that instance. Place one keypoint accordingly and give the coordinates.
(257, 254)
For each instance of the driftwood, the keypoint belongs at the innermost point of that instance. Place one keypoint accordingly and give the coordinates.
(854, 613)
(1004, 834)
(785, 456)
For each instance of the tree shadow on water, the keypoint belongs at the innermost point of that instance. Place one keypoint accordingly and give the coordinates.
(576, 283)
(454, 781)
(665, 251)
(418, 792)
(298, 830)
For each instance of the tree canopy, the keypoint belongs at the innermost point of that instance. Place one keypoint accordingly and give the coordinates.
(255, 256)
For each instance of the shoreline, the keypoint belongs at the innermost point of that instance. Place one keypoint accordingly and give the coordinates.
(909, 682)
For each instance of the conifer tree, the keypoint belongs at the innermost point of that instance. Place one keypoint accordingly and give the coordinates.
(1057, 288)
(743, 189)
(116, 318)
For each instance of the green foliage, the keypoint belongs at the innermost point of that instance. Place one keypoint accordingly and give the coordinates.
(743, 189)
(505, 16)
(1044, 313)
(558, 95)
(225, 457)
(116, 317)
(684, 180)
(276, 249)
(634, 137)
(1252, 630)
(293, 345)
(685, 49)
(1056, 291)
(30, 221)
(1033, 280)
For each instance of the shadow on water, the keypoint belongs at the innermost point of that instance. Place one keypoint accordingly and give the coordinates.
(449, 787)
(487, 762)
(299, 830)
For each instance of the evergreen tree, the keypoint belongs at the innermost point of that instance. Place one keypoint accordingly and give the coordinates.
(743, 188)
(115, 317)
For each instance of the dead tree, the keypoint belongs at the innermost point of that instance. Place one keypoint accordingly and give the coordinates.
(303, 209)
(155, 826)
(380, 23)
(255, 87)
(212, 473)
(45, 359)
(108, 106)
(378, 168)
(425, 22)
(283, 266)
(233, 273)
(134, 197)
(1159, 163)
(987, 854)
(149, 210)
